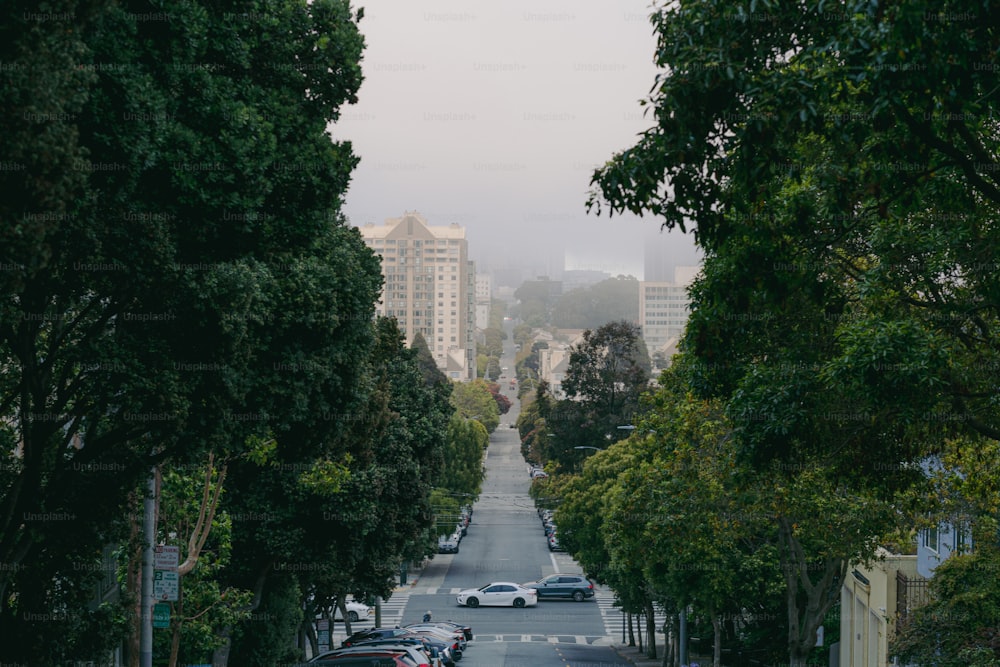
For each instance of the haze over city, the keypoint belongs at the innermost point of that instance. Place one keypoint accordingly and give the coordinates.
(493, 116)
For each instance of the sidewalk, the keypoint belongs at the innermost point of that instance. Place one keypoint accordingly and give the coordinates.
(638, 658)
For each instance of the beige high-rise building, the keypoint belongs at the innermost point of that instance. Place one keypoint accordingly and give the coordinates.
(663, 310)
(429, 287)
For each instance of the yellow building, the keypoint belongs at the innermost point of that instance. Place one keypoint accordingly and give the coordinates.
(872, 600)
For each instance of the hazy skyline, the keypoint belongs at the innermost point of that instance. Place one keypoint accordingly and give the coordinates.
(494, 115)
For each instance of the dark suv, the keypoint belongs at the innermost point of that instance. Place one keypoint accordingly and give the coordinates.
(573, 586)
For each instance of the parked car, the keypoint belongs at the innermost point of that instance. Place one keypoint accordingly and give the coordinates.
(355, 612)
(499, 594)
(465, 629)
(447, 545)
(571, 586)
(438, 651)
(376, 633)
(372, 657)
(554, 543)
(445, 631)
(536, 474)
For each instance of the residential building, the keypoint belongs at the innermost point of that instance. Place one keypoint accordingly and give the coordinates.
(429, 287)
(663, 310)
(484, 297)
(872, 601)
(554, 360)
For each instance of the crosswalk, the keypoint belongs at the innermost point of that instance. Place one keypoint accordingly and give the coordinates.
(587, 640)
(393, 611)
(614, 619)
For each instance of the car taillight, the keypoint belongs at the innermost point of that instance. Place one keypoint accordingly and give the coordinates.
(591, 586)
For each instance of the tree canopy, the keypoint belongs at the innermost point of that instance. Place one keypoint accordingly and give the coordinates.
(843, 187)
(178, 278)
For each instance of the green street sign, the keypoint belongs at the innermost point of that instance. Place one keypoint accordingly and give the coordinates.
(161, 615)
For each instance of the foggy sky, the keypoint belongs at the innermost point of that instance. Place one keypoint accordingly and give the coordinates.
(494, 114)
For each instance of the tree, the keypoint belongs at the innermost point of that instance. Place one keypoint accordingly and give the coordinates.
(463, 458)
(959, 623)
(308, 524)
(202, 203)
(188, 507)
(584, 509)
(503, 403)
(590, 307)
(843, 194)
(607, 373)
(473, 400)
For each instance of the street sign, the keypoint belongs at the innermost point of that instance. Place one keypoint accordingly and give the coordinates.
(166, 585)
(161, 615)
(323, 634)
(166, 558)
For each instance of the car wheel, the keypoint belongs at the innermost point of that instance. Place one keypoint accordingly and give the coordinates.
(352, 616)
(472, 602)
(519, 602)
(578, 596)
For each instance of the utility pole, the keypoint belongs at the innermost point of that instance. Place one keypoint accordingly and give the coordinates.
(146, 595)
(682, 650)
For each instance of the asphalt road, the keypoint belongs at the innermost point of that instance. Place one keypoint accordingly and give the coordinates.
(505, 542)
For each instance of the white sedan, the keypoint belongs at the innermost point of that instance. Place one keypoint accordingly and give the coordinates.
(499, 594)
(355, 612)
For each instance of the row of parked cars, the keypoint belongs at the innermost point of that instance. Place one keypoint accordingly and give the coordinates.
(426, 644)
(549, 526)
(536, 471)
(448, 544)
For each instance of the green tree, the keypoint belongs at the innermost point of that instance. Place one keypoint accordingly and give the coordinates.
(463, 468)
(607, 373)
(535, 301)
(198, 243)
(473, 400)
(591, 307)
(958, 626)
(189, 500)
(843, 196)
(312, 519)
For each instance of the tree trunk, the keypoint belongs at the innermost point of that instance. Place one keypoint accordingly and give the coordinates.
(133, 580)
(650, 631)
(220, 657)
(311, 637)
(717, 644)
(341, 604)
(820, 595)
(175, 639)
(631, 631)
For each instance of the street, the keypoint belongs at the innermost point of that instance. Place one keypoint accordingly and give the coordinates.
(505, 542)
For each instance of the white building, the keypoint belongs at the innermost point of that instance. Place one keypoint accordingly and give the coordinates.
(484, 297)
(663, 310)
(429, 287)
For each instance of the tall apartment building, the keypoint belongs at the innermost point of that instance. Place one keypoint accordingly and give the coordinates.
(429, 287)
(484, 297)
(663, 310)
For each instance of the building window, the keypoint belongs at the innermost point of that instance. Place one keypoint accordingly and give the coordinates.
(931, 538)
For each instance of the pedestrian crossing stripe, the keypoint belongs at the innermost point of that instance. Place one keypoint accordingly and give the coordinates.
(591, 640)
